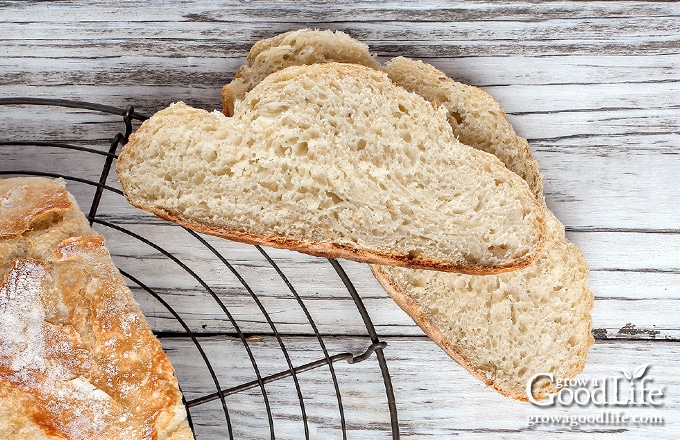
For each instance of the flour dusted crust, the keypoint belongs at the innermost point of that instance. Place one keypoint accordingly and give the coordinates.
(77, 357)
(32, 201)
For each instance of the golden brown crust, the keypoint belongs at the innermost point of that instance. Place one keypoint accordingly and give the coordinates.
(228, 95)
(227, 101)
(77, 358)
(334, 250)
(27, 200)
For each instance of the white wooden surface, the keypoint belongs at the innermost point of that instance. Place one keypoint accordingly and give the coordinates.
(594, 86)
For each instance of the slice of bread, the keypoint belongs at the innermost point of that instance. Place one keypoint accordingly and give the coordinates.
(502, 328)
(335, 160)
(505, 328)
(490, 131)
(302, 47)
(77, 357)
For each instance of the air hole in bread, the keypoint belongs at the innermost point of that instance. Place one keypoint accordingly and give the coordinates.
(197, 179)
(414, 253)
(273, 186)
(209, 155)
(405, 210)
(457, 117)
(226, 171)
(417, 282)
(498, 250)
(301, 149)
(478, 206)
(336, 198)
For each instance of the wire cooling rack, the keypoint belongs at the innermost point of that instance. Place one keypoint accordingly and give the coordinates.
(235, 363)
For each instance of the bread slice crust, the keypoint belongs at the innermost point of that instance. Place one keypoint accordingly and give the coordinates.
(556, 280)
(334, 250)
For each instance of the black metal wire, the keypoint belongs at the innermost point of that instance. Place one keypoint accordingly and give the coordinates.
(117, 140)
(292, 371)
(72, 104)
(322, 344)
(274, 330)
(349, 357)
(389, 390)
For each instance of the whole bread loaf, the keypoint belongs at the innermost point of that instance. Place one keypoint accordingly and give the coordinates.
(503, 328)
(78, 360)
(335, 160)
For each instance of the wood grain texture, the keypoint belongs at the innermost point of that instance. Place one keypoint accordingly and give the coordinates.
(433, 393)
(593, 86)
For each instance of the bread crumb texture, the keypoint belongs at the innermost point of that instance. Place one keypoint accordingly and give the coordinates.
(337, 155)
(505, 328)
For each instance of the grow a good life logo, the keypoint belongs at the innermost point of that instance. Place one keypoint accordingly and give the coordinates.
(629, 389)
(635, 390)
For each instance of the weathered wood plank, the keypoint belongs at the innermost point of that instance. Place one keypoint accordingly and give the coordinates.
(572, 24)
(436, 398)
